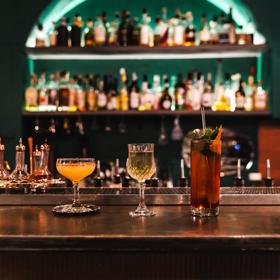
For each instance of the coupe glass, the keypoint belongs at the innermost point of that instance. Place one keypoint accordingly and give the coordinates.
(75, 169)
(141, 166)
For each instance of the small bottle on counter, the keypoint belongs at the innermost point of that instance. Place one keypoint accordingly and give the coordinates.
(97, 181)
(268, 181)
(238, 180)
(182, 182)
(4, 174)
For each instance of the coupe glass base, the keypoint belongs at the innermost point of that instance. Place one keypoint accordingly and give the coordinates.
(70, 209)
(143, 212)
(204, 212)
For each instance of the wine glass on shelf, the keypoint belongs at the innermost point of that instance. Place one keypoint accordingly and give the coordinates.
(141, 166)
(75, 169)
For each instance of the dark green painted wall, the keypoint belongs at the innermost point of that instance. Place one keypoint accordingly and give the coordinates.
(17, 19)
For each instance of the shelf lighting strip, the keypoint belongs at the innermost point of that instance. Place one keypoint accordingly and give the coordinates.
(150, 56)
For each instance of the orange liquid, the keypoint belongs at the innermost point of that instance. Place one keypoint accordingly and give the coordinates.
(76, 171)
(205, 175)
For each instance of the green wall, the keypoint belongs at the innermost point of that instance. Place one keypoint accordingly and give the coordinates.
(18, 18)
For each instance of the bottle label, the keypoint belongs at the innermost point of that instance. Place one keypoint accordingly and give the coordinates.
(145, 35)
(81, 102)
(100, 34)
(134, 100)
(240, 102)
(260, 102)
(166, 104)
(72, 98)
(178, 35)
(180, 96)
(102, 100)
(207, 99)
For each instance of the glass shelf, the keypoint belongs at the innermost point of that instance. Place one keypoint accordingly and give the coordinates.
(146, 53)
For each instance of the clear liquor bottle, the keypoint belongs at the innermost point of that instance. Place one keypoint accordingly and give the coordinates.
(31, 94)
(89, 34)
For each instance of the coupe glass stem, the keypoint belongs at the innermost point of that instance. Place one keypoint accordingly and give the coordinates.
(142, 195)
(76, 201)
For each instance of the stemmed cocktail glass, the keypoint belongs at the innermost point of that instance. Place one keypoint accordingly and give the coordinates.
(75, 169)
(141, 166)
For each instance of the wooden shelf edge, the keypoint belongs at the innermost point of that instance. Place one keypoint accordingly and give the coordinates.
(266, 113)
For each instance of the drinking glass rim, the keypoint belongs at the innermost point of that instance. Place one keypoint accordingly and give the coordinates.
(140, 144)
(75, 159)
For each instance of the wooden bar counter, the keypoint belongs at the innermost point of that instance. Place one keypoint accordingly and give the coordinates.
(243, 242)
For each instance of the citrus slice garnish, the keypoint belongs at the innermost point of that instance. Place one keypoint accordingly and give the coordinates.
(216, 145)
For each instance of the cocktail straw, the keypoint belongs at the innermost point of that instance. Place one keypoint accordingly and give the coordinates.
(203, 119)
(30, 145)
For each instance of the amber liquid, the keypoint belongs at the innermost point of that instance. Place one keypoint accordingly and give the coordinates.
(140, 165)
(205, 175)
(75, 171)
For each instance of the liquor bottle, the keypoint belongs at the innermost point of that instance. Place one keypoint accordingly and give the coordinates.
(166, 99)
(53, 35)
(52, 88)
(113, 30)
(240, 97)
(208, 93)
(101, 95)
(4, 174)
(189, 90)
(144, 94)
(81, 94)
(134, 100)
(42, 91)
(164, 27)
(224, 30)
(72, 99)
(173, 81)
(157, 90)
(19, 173)
(113, 95)
(180, 94)
(135, 32)
(214, 30)
(250, 90)
(229, 94)
(63, 92)
(31, 94)
(89, 34)
(260, 100)
(45, 152)
(106, 24)
(124, 102)
(157, 32)
(197, 90)
(231, 30)
(190, 30)
(99, 32)
(90, 93)
(76, 31)
(204, 34)
(123, 30)
(178, 30)
(40, 36)
(62, 33)
(146, 31)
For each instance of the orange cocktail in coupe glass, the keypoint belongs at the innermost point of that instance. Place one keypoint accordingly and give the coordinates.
(75, 169)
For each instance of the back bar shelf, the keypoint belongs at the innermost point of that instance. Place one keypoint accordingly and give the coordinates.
(145, 53)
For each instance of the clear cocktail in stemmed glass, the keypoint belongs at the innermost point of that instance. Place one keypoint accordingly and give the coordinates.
(141, 166)
(75, 169)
